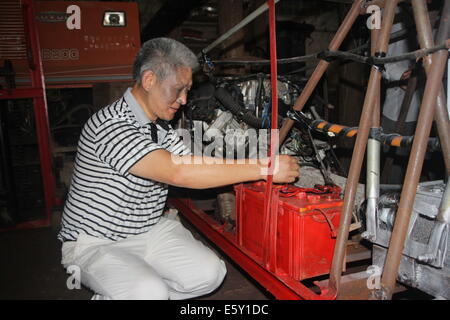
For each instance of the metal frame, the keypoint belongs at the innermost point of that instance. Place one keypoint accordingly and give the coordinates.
(37, 93)
(428, 109)
(284, 288)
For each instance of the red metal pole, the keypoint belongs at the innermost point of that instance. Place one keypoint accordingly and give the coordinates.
(270, 215)
(273, 73)
(40, 106)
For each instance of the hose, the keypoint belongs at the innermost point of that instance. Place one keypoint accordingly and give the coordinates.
(394, 140)
(228, 102)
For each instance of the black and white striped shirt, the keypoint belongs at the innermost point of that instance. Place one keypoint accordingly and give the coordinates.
(105, 200)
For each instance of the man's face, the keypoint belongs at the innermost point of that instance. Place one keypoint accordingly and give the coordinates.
(166, 96)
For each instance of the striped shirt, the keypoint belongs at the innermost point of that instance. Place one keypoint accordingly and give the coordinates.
(104, 199)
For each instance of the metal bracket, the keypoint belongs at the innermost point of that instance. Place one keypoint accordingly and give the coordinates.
(437, 246)
(300, 117)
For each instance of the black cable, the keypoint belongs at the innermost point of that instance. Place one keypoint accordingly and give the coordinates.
(346, 55)
(325, 173)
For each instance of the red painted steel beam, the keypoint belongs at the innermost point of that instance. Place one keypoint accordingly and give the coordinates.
(270, 215)
(40, 106)
(283, 288)
(22, 93)
(69, 86)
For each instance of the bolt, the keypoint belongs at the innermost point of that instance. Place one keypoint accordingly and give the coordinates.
(425, 258)
(402, 277)
(366, 235)
(379, 294)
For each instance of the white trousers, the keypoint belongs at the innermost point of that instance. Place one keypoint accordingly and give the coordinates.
(164, 263)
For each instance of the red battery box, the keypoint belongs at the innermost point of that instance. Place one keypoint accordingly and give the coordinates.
(301, 232)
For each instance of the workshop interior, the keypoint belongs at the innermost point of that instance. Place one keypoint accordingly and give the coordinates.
(356, 90)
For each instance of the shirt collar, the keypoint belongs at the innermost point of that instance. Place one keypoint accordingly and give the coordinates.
(137, 110)
(139, 113)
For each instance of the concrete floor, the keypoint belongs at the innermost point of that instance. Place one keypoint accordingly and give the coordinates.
(30, 269)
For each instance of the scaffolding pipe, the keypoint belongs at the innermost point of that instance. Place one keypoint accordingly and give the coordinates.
(425, 36)
(373, 159)
(323, 65)
(415, 163)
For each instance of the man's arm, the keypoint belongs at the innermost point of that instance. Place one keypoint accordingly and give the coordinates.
(181, 171)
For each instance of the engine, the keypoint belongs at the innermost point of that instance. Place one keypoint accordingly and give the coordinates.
(234, 109)
(231, 118)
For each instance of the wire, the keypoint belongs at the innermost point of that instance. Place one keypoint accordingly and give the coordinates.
(333, 230)
(266, 114)
(346, 55)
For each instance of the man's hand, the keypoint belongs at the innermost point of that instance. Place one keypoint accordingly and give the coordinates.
(286, 169)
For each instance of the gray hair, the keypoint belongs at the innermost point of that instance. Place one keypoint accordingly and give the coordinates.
(163, 56)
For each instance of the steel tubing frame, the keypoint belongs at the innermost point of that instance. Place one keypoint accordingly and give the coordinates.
(368, 120)
(425, 37)
(359, 7)
(415, 163)
(365, 123)
(373, 156)
(335, 43)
